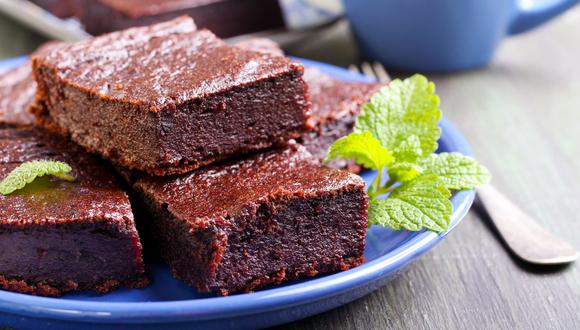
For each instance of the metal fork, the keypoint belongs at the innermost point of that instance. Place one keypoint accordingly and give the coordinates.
(374, 71)
(520, 232)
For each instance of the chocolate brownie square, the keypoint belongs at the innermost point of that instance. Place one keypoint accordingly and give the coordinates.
(167, 98)
(263, 45)
(265, 219)
(334, 104)
(17, 91)
(58, 236)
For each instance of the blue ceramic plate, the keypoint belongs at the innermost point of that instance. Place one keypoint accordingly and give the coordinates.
(171, 304)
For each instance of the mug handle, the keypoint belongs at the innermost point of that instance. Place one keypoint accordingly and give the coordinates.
(530, 14)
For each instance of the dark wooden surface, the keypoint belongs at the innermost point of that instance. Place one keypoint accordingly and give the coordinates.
(522, 117)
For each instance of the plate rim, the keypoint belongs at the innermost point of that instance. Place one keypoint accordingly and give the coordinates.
(269, 300)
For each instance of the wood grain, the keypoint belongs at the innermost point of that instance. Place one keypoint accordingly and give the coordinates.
(522, 117)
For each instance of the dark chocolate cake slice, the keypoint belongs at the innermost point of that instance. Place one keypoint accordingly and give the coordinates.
(265, 219)
(168, 98)
(58, 236)
(17, 92)
(334, 104)
(225, 18)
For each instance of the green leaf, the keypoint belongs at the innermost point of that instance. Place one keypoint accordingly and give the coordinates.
(417, 204)
(456, 170)
(397, 133)
(405, 108)
(363, 148)
(29, 171)
(403, 172)
(409, 150)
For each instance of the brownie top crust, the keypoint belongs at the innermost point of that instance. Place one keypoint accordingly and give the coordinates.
(161, 66)
(93, 195)
(332, 98)
(263, 45)
(214, 192)
(17, 90)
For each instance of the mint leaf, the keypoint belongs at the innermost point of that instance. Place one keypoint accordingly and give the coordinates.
(403, 109)
(396, 133)
(417, 204)
(403, 172)
(29, 171)
(409, 150)
(363, 148)
(456, 170)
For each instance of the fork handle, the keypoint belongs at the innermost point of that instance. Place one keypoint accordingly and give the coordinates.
(521, 233)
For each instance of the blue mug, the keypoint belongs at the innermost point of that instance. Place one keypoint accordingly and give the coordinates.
(442, 35)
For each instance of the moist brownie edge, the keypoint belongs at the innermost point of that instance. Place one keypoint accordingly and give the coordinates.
(44, 289)
(229, 248)
(57, 236)
(263, 97)
(293, 237)
(209, 268)
(102, 129)
(165, 147)
(17, 89)
(334, 105)
(37, 267)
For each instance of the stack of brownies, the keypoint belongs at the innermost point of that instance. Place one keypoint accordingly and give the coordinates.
(226, 18)
(218, 145)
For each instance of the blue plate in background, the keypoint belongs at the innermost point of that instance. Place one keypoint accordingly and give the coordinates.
(168, 303)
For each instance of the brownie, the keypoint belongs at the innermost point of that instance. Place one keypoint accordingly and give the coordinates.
(17, 90)
(58, 236)
(265, 219)
(264, 45)
(225, 18)
(168, 98)
(335, 105)
(61, 8)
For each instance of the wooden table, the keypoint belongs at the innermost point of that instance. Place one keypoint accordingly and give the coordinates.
(522, 117)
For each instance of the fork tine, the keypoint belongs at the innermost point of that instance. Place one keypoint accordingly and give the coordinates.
(375, 71)
(353, 68)
(368, 70)
(381, 72)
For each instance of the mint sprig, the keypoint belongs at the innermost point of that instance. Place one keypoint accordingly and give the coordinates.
(396, 134)
(27, 172)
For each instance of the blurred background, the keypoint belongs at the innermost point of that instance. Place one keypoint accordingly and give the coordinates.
(413, 35)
